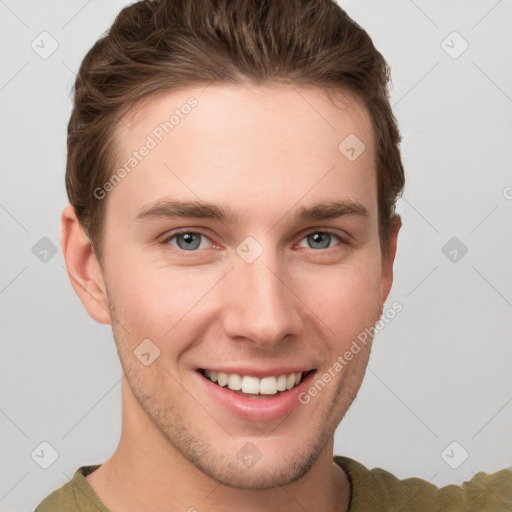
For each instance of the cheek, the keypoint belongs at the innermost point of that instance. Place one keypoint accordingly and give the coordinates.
(159, 302)
(152, 305)
(346, 299)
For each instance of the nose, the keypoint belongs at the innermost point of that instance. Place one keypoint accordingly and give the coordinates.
(261, 304)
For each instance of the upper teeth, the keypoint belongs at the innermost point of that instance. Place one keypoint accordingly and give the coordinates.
(253, 385)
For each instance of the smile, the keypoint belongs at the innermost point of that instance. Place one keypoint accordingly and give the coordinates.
(251, 385)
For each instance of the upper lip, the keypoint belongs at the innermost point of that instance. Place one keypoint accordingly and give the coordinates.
(261, 373)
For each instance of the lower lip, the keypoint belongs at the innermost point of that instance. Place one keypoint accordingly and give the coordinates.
(256, 409)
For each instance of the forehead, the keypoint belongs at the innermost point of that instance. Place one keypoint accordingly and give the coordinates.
(279, 110)
(245, 146)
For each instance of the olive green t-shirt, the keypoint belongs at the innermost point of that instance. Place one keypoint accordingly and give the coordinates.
(374, 490)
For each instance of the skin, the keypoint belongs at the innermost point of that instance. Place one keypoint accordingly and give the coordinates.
(263, 152)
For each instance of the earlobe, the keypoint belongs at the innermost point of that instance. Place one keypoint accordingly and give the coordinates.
(83, 268)
(388, 260)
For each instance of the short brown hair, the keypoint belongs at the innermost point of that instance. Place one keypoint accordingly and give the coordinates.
(155, 46)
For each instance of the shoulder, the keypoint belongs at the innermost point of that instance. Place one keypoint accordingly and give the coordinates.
(382, 490)
(74, 496)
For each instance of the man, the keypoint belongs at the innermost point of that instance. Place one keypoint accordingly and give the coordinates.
(232, 170)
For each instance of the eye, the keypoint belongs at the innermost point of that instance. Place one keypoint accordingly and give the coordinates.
(191, 241)
(187, 240)
(320, 239)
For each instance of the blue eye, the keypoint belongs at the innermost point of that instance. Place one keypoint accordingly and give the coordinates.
(187, 240)
(320, 239)
(192, 241)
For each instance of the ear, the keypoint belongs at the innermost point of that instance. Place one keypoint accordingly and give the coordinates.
(389, 258)
(83, 268)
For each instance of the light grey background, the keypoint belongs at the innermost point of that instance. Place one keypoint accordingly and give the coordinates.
(439, 372)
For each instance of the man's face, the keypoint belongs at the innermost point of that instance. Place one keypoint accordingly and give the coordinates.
(263, 293)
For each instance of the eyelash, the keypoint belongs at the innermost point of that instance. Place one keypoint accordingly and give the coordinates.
(195, 251)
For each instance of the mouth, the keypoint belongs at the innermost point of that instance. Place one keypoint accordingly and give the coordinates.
(249, 386)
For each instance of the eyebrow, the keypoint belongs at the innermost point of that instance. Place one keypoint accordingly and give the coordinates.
(167, 208)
